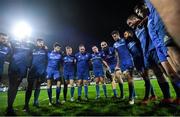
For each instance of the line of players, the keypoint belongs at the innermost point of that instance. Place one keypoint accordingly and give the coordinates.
(153, 49)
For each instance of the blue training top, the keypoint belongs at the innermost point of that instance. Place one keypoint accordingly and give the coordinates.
(82, 61)
(54, 60)
(97, 59)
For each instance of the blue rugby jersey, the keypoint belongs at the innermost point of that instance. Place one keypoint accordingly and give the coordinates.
(82, 61)
(123, 52)
(39, 60)
(69, 63)
(97, 59)
(54, 60)
(109, 56)
(21, 54)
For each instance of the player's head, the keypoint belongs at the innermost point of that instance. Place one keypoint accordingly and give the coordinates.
(95, 49)
(128, 33)
(82, 48)
(104, 45)
(68, 50)
(133, 21)
(3, 38)
(57, 47)
(115, 35)
(40, 42)
(141, 10)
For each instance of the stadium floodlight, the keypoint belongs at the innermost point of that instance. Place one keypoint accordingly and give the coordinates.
(22, 30)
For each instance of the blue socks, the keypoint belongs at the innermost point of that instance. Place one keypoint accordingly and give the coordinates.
(58, 90)
(115, 93)
(86, 90)
(72, 91)
(49, 90)
(121, 89)
(36, 95)
(79, 90)
(97, 89)
(104, 89)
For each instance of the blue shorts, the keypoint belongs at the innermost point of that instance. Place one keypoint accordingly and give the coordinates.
(112, 67)
(98, 72)
(68, 75)
(53, 73)
(37, 73)
(126, 65)
(20, 70)
(151, 60)
(139, 63)
(83, 75)
(162, 53)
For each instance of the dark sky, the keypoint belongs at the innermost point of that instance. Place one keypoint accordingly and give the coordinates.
(70, 22)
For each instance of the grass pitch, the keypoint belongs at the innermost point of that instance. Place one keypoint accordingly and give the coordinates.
(109, 106)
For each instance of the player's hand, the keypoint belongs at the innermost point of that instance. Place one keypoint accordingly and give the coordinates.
(108, 69)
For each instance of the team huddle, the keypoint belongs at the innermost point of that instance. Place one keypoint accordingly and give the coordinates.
(146, 46)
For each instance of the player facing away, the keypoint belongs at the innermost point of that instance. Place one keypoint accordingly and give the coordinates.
(69, 63)
(151, 59)
(82, 59)
(37, 73)
(157, 33)
(97, 63)
(124, 61)
(4, 52)
(109, 56)
(20, 62)
(138, 59)
(53, 72)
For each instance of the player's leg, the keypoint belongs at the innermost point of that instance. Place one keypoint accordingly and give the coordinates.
(28, 92)
(175, 79)
(97, 87)
(80, 82)
(58, 90)
(148, 88)
(37, 91)
(172, 75)
(49, 84)
(49, 90)
(128, 75)
(14, 82)
(85, 83)
(66, 82)
(118, 75)
(103, 86)
(57, 78)
(114, 85)
(174, 54)
(72, 88)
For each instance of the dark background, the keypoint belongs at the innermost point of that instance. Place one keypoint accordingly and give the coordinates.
(69, 22)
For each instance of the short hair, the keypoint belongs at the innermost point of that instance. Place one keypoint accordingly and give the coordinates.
(3, 34)
(130, 31)
(56, 44)
(132, 16)
(140, 6)
(114, 32)
(39, 39)
(68, 47)
(81, 45)
(94, 46)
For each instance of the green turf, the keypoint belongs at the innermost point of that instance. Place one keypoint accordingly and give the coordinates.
(95, 107)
